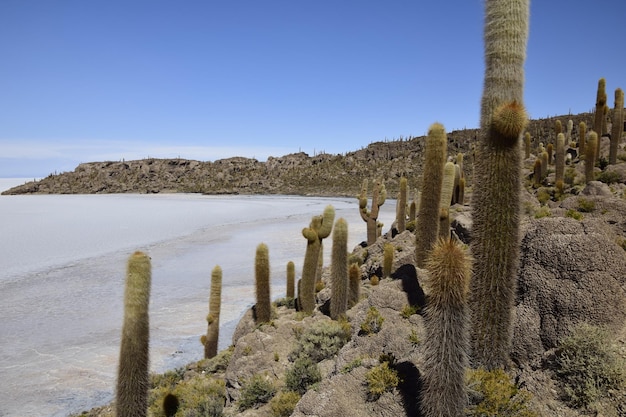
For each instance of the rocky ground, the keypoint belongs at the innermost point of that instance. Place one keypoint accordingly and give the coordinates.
(572, 271)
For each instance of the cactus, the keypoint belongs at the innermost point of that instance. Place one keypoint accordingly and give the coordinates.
(497, 182)
(544, 163)
(263, 307)
(447, 190)
(446, 323)
(558, 127)
(598, 121)
(388, 252)
(590, 156)
(527, 145)
(133, 380)
(354, 276)
(319, 229)
(618, 125)
(537, 172)
(570, 127)
(379, 194)
(213, 319)
(339, 270)
(401, 211)
(559, 158)
(582, 132)
(550, 152)
(291, 279)
(461, 196)
(427, 225)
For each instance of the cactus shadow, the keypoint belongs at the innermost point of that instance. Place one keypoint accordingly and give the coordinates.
(410, 387)
(410, 285)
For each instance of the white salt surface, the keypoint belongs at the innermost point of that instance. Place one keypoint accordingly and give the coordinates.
(62, 271)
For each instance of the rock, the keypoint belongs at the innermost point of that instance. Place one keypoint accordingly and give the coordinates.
(462, 226)
(597, 188)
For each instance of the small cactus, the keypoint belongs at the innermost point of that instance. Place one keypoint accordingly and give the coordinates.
(582, 133)
(213, 319)
(447, 191)
(388, 252)
(291, 279)
(590, 156)
(263, 307)
(339, 270)
(133, 380)
(559, 158)
(354, 276)
(527, 145)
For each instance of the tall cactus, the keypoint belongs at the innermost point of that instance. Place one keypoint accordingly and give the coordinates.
(401, 211)
(339, 270)
(427, 225)
(599, 117)
(354, 276)
(210, 341)
(263, 307)
(559, 158)
(379, 194)
(590, 156)
(497, 182)
(446, 322)
(527, 145)
(319, 229)
(133, 379)
(447, 190)
(291, 279)
(582, 133)
(618, 125)
(388, 252)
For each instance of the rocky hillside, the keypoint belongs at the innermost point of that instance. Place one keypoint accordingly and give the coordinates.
(323, 174)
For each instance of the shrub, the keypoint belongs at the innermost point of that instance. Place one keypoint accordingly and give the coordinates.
(542, 211)
(258, 390)
(283, 404)
(217, 363)
(586, 206)
(352, 365)
(543, 195)
(197, 397)
(609, 177)
(408, 310)
(589, 364)
(302, 375)
(322, 340)
(497, 395)
(381, 379)
(288, 302)
(574, 214)
(373, 321)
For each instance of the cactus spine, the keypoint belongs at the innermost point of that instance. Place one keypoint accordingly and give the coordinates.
(582, 132)
(213, 319)
(339, 270)
(497, 184)
(446, 322)
(319, 229)
(291, 279)
(427, 225)
(401, 212)
(618, 125)
(598, 121)
(590, 156)
(559, 158)
(133, 380)
(379, 194)
(263, 308)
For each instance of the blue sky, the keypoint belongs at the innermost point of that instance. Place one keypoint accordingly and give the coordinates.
(104, 80)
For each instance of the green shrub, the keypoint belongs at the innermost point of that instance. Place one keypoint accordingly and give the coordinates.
(288, 302)
(542, 211)
(373, 321)
(322, 340)
(609, 177)
(589, 364)
(352, 365)
(258, 390)
(302, 375)
(497, 395)
(543, 195)
(217, 363)
(409, 310)
(283, 404)
(201, 396)
(586, 206)
(574, 214)
(381, 379)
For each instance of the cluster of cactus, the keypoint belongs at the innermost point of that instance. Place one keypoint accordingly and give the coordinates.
(497, 182)
(210, 340)
(132, 378)
(427, 226)
(379, 194)
(319, 229)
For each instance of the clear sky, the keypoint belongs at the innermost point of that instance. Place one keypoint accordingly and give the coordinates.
(91, 80)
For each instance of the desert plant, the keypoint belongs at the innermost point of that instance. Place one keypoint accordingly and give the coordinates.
(401, 209)
(589, 364)
(257, 390)
(497, 173)
(618, 125)
(201, 397)
(354, 275)
(373, 321)
(291, 279)
(527, 145)
(213, 319)
(322, 340)
(388, 252)
(559, 158)
(599, 118)
(582, 134)
(379, 194)
(499, 397)
(302, 375)
(447, 191)
(381, 379)
(609, 177)
(263, 307)
(550, 152)
(545, 161)
(586, 206)
(133, 379)
(590, 156)
(446, 323)
(339, 270)
(427, 226)
(283, 403)
(319, 229)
